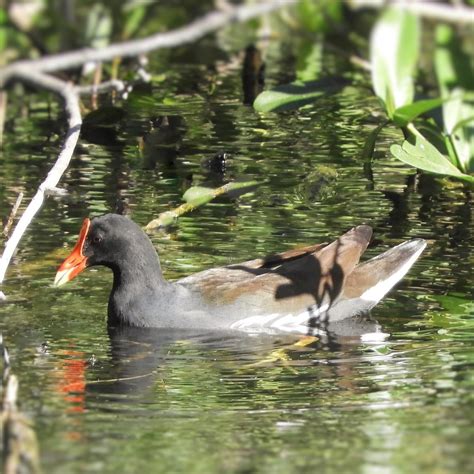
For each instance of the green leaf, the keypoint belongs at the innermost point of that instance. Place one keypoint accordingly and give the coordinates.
(98, 27)
(435, 136)
(198, 195)
(133, 20)
(407, 113)
(458, 116)
(319, 16)
(309, 62)
(422, 154)
(3, 28)
(454, 67)
(394, 50)
(463, 123)
(294, 95)
(455, 70)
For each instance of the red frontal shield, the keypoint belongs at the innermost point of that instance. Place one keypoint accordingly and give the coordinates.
(76, 262)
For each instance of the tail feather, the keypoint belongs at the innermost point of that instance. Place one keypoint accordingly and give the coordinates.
(370, 281)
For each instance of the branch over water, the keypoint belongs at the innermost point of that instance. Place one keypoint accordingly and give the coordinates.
(35, 72)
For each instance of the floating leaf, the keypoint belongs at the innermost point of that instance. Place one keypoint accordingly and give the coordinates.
(407, 113)
(197, 196)
(394, 49)
(294, 95)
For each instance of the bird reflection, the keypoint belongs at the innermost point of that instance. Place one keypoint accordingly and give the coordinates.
(139, 357)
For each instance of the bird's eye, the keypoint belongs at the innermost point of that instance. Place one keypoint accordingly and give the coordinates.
(97, 239)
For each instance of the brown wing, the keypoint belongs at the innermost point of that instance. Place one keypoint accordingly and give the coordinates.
(278, 258)
(286, 282)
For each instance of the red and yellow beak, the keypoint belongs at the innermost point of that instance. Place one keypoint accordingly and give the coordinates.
(76, 262)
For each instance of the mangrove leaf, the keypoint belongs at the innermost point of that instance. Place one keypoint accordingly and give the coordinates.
(422, 154)
(455, 70)
(407, 113)
(394, 49)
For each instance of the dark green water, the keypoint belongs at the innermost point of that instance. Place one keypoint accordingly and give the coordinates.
(177, 402)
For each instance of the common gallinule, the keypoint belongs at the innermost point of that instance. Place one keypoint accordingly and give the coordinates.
(292, 291)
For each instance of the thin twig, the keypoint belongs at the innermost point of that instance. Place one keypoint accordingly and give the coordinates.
(114, 85)
(71, 100)
(186, 34)
(33, 72)
(435, 11)
(11, 217)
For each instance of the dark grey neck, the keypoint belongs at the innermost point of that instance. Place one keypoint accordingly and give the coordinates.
(138, 286)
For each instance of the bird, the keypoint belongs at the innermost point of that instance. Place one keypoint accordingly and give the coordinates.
(297, 291)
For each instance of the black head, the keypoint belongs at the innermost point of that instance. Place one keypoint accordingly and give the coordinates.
(111, 240)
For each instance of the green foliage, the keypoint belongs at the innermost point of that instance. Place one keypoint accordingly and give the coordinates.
(394, 47)
(407, 113)
(197, 196)
(422, 154)
(319, 16)
(309, 62)
(134, 16)
(296, 94)
(455, 72)
(394, 50)
(317, 186)
(454, 67)
(3, 31)
(98, 27)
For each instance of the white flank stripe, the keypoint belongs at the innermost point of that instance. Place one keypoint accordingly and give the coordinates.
(286, 322)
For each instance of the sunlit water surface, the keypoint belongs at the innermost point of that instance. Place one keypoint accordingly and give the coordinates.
(151, 401)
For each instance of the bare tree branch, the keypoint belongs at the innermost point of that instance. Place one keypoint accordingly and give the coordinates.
(114, 85)
(435, 11)
(33, 72)
(186, 34)
(71, 100)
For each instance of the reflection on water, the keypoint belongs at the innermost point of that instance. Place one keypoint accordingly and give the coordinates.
(237, 400)
(153, 401)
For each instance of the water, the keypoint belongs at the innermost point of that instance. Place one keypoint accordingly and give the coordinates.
(146, 401)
